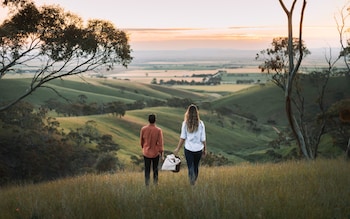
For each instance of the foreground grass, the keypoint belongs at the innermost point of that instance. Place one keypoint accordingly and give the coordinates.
(318, 189)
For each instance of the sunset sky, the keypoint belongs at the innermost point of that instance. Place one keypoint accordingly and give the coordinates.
(226, 24)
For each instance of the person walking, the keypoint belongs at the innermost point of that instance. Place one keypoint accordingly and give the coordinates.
(194, 137)
(151, 140)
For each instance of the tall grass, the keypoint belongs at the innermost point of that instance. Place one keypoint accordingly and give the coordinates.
(295, 189)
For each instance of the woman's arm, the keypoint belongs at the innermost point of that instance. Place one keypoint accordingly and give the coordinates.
(204, 151)
(179, 145)
(161, 143)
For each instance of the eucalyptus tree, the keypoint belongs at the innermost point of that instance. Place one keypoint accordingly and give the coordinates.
(342, 107)
(343, 29)
(56, 44)
(276, 59)
(283, 61)
(293, 68)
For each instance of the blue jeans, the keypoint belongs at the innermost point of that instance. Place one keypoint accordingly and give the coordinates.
(192, 159)
(148, 161)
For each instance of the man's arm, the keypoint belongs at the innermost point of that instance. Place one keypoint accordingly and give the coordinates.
(161, 144)
(141, 138)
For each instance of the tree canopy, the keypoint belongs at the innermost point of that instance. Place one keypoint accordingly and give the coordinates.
(276, 58)
(57, 44)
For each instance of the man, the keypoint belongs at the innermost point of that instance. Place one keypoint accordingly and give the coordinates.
(151, 139)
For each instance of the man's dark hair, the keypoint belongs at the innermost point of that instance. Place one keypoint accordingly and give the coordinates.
(152, 118)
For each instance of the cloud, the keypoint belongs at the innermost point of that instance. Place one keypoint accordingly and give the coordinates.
(160, 29)
(239, 37)
(159, 34)
(255, 27)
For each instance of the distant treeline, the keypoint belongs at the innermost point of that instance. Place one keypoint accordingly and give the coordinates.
(117, 108)
(205, 81)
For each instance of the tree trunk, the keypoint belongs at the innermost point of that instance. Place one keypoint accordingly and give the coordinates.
(293, 69)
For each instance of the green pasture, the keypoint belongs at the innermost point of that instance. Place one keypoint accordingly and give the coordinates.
(229, 135)
(234, 142)
(96, 90)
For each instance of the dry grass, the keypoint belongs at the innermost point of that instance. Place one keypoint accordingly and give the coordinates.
(317, 189)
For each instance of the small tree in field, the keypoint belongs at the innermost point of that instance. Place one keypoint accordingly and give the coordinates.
(57, 44)
(283, 60)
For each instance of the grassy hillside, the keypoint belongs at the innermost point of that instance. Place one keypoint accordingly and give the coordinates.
(254, 101)
(294, 189)
(96, 90)
(229, 135)
(267, 102)
(232, 142)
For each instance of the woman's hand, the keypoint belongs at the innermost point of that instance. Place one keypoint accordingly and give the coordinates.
(176, 151)
(179, 145)
(204, 152)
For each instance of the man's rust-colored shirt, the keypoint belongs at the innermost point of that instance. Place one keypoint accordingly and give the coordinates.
(151, 139)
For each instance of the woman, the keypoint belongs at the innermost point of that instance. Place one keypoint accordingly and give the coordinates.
(194, 137)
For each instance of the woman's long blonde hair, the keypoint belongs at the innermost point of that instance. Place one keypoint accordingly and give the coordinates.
(192, 118)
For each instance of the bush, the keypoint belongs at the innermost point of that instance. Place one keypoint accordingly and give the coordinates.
(106, 162)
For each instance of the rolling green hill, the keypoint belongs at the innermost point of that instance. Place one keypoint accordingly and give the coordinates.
(96, 90)
(234, 142)
(266, 102)
(229, 134)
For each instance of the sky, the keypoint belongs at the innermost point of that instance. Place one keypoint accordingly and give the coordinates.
(198, 24)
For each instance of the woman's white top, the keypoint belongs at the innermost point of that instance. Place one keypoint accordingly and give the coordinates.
(193, 141)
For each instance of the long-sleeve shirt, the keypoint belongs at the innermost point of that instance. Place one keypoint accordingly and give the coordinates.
(194, 141)
(151, 140)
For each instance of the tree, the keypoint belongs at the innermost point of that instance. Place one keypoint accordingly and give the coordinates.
(117, 108)
(107, 162)
(345, 54)
(82, 98)
(154, 81)
(56, 44)
(308, 132)
(33, 147)
(106, 144)
(339, 124)
(345, 46)
(286, 64)
(276, 58)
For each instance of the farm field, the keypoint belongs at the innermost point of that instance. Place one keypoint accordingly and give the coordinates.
(227, 88)
(141, 75)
